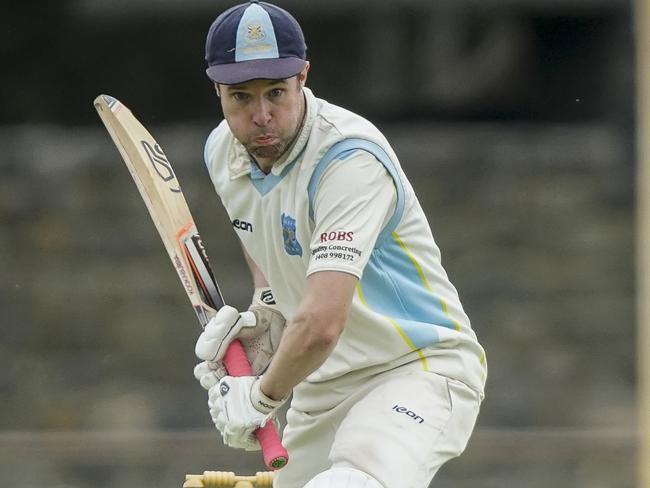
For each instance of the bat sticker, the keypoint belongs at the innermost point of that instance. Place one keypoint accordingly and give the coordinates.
(161, 165)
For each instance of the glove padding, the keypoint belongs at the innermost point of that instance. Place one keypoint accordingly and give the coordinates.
(261, 342)
(208, 373)
(259, 329)
(238, 408)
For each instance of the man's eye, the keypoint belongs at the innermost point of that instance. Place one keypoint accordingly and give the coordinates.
(276, 92)
(240, 97)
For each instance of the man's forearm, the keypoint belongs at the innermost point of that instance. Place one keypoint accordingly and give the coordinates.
(297, 356)
(259, 280)
(312, 333)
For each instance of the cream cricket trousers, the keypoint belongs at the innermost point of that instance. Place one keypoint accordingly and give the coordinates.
(398, 427)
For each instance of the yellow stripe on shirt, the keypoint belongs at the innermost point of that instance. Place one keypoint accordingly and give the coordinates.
(399, 330)
(423, 278)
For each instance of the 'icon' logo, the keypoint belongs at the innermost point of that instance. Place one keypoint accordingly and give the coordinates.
(408, 413)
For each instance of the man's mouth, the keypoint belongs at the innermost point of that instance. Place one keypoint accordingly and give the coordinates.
(266, 140)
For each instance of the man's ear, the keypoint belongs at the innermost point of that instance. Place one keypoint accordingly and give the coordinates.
(302, 76)
(216, 88)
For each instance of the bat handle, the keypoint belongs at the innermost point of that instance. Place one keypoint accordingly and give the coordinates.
(274, 453)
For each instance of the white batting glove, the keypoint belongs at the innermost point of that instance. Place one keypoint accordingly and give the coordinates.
(238, 408)
(220, 332)
(261, 342)
(259, 329)
(214, 340)
(208, 373)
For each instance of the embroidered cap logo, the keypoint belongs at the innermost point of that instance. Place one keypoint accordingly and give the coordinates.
(255, 32)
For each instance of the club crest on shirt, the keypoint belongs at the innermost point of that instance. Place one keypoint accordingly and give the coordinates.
(291, 244)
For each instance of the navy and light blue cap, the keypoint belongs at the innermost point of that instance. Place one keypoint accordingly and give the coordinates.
(254, 40)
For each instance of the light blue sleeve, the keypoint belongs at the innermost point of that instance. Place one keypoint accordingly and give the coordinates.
(354, 201)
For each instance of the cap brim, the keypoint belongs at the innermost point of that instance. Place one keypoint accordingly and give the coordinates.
(266, 69)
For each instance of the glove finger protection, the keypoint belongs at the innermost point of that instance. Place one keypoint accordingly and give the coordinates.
(220, 332)
(261, 342)
(208, 373)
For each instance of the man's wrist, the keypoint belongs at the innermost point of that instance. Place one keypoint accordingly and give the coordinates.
(261, 401)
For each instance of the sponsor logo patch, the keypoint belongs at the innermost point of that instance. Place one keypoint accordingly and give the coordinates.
(337, 235)
(339, 252)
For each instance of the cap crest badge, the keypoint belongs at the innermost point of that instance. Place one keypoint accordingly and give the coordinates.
(255, 32)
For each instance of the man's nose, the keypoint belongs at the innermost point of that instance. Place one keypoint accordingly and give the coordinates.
(261, 113)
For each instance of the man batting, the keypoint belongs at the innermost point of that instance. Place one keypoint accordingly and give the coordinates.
(385, 372)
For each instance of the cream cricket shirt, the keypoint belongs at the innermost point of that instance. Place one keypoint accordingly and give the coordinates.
(340, 201)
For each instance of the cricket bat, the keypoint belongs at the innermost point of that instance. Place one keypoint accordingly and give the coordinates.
(161, 192)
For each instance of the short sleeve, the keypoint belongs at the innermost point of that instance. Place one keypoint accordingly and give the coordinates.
(354, 201)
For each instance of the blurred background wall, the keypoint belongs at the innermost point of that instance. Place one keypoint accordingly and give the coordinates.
(513, 119)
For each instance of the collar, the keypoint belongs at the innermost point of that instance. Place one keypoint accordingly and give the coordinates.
(241, 163)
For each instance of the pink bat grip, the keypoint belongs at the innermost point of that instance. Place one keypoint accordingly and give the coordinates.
(274, 453)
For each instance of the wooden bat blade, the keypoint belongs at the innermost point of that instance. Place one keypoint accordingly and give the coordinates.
(161, 192)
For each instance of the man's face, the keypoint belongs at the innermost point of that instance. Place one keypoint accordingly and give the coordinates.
(264, 115)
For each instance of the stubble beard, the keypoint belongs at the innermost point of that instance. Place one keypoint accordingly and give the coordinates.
(271, 151)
